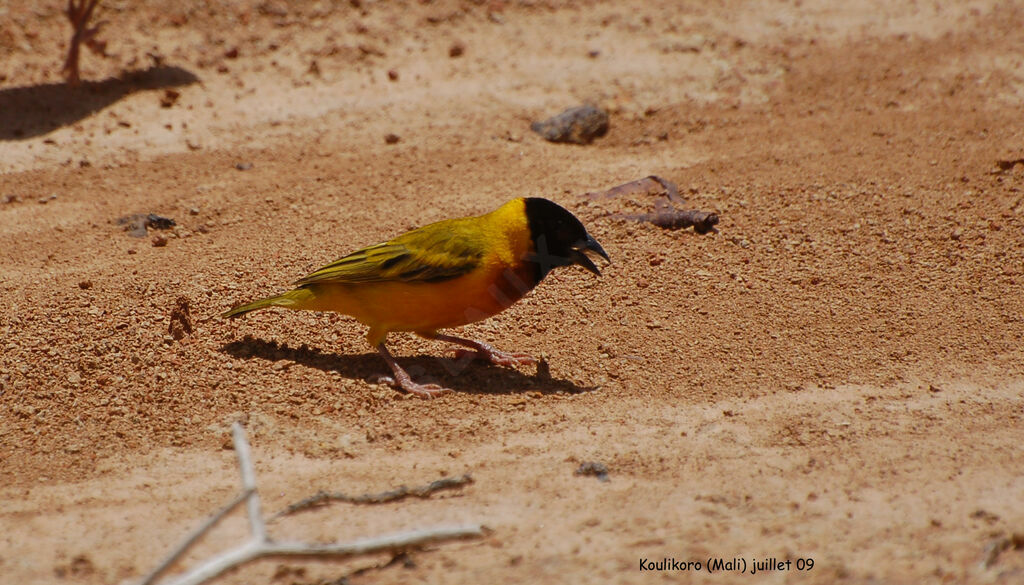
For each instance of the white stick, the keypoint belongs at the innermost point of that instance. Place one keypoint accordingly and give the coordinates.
(254, 550)
(259, 545)
(193, 538)
(259, 529)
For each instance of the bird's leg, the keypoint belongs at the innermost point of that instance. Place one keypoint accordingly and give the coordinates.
(404, 382)
(485, 352)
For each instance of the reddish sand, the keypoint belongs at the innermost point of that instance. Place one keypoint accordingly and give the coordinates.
(836, 375)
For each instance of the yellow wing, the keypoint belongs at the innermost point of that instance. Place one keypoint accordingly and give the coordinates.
(434, 253)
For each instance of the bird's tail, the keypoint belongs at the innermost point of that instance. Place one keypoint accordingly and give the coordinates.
(293, 299)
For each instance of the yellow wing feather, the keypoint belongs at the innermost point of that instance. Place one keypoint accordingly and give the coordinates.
(434, 253)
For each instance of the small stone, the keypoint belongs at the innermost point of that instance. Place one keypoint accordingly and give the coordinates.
(579, 125)
(158, 222)
(243, 166)
(169, 98)
(85, 284)
(392, 138)
(193, 211)
(594, 468)
(393, 75)
(74, 378)
(456, 50)
(137, 224)
(956, 234)
(159, 241)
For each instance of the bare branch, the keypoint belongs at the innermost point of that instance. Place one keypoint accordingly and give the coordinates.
(649, 185)
(193, 538)
(322, 498)
(78, 14)
(665, 214)
(674, 219)
(253, 550)
(259, 529)
(260, 546)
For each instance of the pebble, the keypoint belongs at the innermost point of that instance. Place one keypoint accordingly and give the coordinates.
(169, 98)
(593, 468)
(579, 125)
(159, 241)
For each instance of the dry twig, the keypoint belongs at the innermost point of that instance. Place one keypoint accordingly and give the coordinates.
(665, 214)
(321, 498)
(79, 14)
(260, 545)
(649, 185)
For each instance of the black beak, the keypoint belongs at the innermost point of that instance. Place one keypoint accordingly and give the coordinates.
(578, 257)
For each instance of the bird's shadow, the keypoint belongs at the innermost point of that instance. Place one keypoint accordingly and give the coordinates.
(35, 110)
(461, 375)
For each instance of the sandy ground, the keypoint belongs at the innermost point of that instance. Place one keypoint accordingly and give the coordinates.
(836, 375)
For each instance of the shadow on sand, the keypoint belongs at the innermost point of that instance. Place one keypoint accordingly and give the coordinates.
(472, 377)
(35, 110)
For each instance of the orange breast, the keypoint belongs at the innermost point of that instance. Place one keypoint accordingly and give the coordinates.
(400, 306)
(500, 280)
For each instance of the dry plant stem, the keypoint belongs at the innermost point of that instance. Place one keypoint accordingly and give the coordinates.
(192, 538)
(649, 185)
(255, 550)
(252, 506)
(79, 14)
(321, 498)
(259, 545)
(665, 214)
(673, 219)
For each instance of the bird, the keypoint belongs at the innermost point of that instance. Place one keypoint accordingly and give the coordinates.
(444, 275)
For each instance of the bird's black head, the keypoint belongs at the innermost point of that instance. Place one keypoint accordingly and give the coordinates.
(559, 239)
